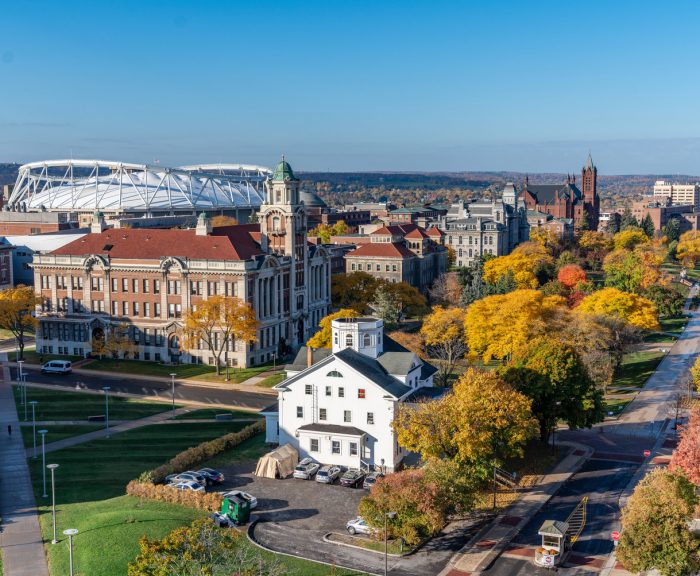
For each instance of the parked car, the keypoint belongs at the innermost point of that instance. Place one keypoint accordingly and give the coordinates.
(193, 486)
(353, 477)
(188, 476)
(252, 500)
(57, 367)
(358, 526)
(211, 476)
(328, 474)
(306, 469)
(370, 479)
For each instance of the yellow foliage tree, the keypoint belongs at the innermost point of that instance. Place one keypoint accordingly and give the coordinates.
(497, 326)
(594, 241)
(443, 334)
(118, 342)
(629, 238)
(322, 338)
(481, 419)
(215, 323)
(544, 237)
(688, 249)
(222, 220)
(16, 308)
(521, 262)
(630, 307)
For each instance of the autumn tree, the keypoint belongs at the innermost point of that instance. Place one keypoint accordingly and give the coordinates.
(595, 246)
(222, 220)
(695, 373)
(217, 323)
(655, 532)
(522, 263)
(570, 275)
(630, 237)
(545, 238)
(322, 338)
(354, 290)
(497, 326)
(686, 456)
(481, 419)
(688, 248)
(443, 334)
(16, 308)
(412, 341)
(552, 375)
(668, 300)
(409, 299)
(446, 289)
(632, 308)
(118, 342)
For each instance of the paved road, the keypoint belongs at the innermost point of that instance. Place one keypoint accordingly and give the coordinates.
(183, 392)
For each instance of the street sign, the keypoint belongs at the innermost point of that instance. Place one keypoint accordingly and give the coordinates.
(647, 453)
(615, 535)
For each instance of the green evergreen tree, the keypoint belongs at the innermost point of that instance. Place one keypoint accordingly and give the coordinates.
(647, 225)
(613, 226)
(628, 219)
(386, 306)
(672, 230)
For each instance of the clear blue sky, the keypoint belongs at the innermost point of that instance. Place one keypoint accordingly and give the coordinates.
(379, 85)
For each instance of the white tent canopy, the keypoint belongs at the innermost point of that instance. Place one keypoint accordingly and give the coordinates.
(279, 463)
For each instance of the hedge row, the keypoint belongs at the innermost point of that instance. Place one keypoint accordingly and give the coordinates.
(194, 456)
(207, 501)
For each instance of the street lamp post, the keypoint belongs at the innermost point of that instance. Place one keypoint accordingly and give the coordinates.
(274, 361)
(387, 516)
(19, 380)
(70, 533)
(172, 379)
(107, 389)
(53, 467)
(43, 458)
(34, 403)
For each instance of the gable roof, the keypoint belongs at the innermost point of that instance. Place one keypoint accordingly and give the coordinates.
(550, 193)
(224, 243)
(372, 370)
(435, 231)
(382, 250)
(394, 230)
(300, 360)
(417, 233)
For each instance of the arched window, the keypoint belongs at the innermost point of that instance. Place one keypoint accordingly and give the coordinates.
(275, 223)
(348, 340)
(366, 341)
(334, 374)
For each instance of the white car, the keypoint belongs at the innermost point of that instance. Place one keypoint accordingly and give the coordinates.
(252, 500)
(306, 469)
(189, 485)
(328, 474)
(358, 526)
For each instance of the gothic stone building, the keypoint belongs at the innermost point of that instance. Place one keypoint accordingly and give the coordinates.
(486, 227)
(149, 278)
(567, 200)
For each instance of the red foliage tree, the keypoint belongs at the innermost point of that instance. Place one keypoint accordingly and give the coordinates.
(687, 454)
(570, 275)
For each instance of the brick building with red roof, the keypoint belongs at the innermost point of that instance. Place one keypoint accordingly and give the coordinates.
(401, 253)
(148, 278)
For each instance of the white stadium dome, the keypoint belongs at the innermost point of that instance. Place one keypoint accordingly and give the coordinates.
(90, 185)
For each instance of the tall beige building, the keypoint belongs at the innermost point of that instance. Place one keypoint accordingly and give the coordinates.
(680, 194)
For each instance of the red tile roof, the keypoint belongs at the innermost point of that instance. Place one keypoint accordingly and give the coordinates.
(395, 230)
(225, 243)
(435, 231)
(381, 250)
(417, 232)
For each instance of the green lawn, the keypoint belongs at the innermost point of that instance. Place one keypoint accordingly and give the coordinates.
(60, 405)
(273, 380)
(212, 412)
(246, 451)
(636, 368)
(90, 485)
(56, 433)
(616, 405)
(659, 338)
(183, 371)
(673, 325)
(33, 357)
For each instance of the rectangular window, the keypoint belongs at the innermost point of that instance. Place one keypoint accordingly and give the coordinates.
(156, 310)
(360, 392)
(115, 308)
(146, 309)
(300, 411)
(115, 285)
(308, 389)
(370, 417)
(329, 390)
(335, 447)
(145, 286)
(347, 416)
(156, 286)
(313, 447)
(341, 392)
(322, 414)
(125, 308)
(212, 288)
(125, 285)
(353, 448)
(136, 308)
(352, 266)
(134, 285)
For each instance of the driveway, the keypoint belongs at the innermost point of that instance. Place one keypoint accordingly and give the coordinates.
(294, 515)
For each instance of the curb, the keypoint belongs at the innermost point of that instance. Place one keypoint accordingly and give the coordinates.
(251, 537)
(327, 539)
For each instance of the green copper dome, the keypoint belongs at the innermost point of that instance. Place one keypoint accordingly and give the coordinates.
(283, 172)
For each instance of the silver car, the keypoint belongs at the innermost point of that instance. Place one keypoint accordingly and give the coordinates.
(328, 474)
(306, 469)
(358, 526)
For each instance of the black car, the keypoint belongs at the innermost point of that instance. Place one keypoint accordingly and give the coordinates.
(353, 478)
(211, 476)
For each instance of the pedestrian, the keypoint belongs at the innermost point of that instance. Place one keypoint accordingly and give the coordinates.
(9, 430)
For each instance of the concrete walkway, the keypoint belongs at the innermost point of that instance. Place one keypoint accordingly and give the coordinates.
(102, 432)
(20, 540)
(478, 554)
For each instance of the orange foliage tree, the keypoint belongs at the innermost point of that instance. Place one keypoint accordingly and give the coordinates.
(570, 275)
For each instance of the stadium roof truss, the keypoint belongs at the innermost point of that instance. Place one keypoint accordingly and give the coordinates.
(88, 185)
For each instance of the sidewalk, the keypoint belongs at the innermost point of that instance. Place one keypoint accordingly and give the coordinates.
(479, 553)
(20, 541)
(102, 432)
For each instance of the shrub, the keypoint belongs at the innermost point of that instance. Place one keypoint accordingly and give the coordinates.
(207, 501)
(191, 457)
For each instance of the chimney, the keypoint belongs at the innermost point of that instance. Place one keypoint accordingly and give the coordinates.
(309, 356)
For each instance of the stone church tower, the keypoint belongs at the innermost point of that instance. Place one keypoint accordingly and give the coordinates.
(591, 201)
(283, 230)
